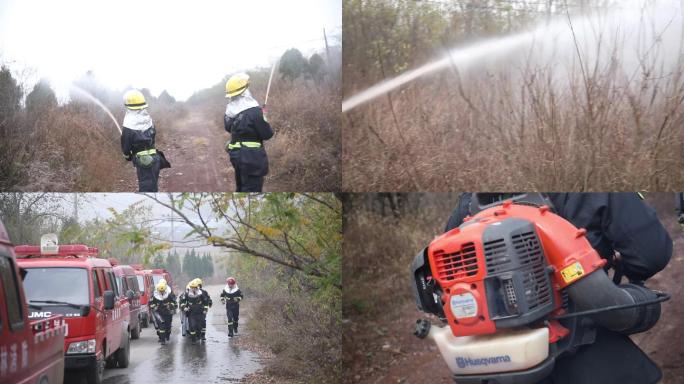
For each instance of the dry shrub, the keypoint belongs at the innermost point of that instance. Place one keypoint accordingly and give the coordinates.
(303, 334)
(526, 122)
(71, 148)
(305, 153)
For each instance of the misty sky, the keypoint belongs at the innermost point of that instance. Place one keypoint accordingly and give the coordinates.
(97, 205)
(181, 46)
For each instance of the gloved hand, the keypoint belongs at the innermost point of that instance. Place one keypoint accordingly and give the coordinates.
(223, 300)
(127, 157)
(238, 298)
(681, 220)
(264, 112)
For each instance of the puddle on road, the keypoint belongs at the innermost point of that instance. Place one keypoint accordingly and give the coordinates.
(216, 361)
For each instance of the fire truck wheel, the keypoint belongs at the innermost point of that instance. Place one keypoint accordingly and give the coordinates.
(144, 322)
(123, 354)
(135, 332)
(95, 373)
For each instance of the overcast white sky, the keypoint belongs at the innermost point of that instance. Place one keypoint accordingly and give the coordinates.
(181, 46)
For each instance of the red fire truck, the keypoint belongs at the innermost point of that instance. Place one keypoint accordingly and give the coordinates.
(70, 280)
(128, 283)
(145, 286)
(161, 273)
(31, 351)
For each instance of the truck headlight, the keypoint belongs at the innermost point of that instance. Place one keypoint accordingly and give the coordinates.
(85, 346)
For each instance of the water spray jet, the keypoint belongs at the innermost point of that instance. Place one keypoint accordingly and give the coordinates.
(458, 57)
(95, 100)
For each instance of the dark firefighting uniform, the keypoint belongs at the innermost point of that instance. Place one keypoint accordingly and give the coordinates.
(195, 306)
(164, 304)
(248, 131)
(207, 299)
(615, 222)
(232, 299)
(134, 145)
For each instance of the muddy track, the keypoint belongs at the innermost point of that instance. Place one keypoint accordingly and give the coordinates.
(194, 147)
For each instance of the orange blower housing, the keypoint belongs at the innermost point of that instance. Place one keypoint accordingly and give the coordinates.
(506, 267)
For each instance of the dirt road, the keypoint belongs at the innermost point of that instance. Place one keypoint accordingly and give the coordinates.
(194, 146)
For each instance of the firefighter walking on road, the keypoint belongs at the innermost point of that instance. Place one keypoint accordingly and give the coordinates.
(231, 297)
(195, 307)
(163, 304)
(248, 128)
(137, 142)
(207, 299)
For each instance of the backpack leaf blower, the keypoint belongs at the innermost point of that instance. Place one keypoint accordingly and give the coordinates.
(517, 286)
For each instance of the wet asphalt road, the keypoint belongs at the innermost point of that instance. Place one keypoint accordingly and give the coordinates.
(216, 361)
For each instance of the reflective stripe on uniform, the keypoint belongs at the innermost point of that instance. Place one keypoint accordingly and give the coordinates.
(248, 144)
(147, 152)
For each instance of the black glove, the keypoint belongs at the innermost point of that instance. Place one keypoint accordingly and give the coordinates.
(127, 156)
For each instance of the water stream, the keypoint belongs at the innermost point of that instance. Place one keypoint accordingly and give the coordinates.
(620, 24)
(95, 100)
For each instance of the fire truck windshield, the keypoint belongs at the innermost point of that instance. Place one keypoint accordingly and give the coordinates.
(141, 283)
(68, 285)
(156, 279)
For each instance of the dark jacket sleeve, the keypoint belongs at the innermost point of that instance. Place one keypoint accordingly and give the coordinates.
(460, 212)
(126, 143)
(620, 222)
(207, 298)
(227, 123)
(262, 127)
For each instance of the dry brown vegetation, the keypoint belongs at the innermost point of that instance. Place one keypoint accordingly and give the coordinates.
(53, 146)
(382, 234)
(518, 123)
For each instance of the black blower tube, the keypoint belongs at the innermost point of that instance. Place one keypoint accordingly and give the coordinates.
(596, 291)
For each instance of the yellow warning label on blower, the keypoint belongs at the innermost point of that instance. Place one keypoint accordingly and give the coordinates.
(572, 272)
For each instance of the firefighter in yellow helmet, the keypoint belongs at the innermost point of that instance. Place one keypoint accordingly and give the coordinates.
(208, 302)
(137, 142)
(248, 128)
(195, 307)
(163, 304)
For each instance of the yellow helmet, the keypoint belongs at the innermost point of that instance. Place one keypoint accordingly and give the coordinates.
(193, 284)
(199, 281)
(134, 99)
(237, 84)
(161, 286)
